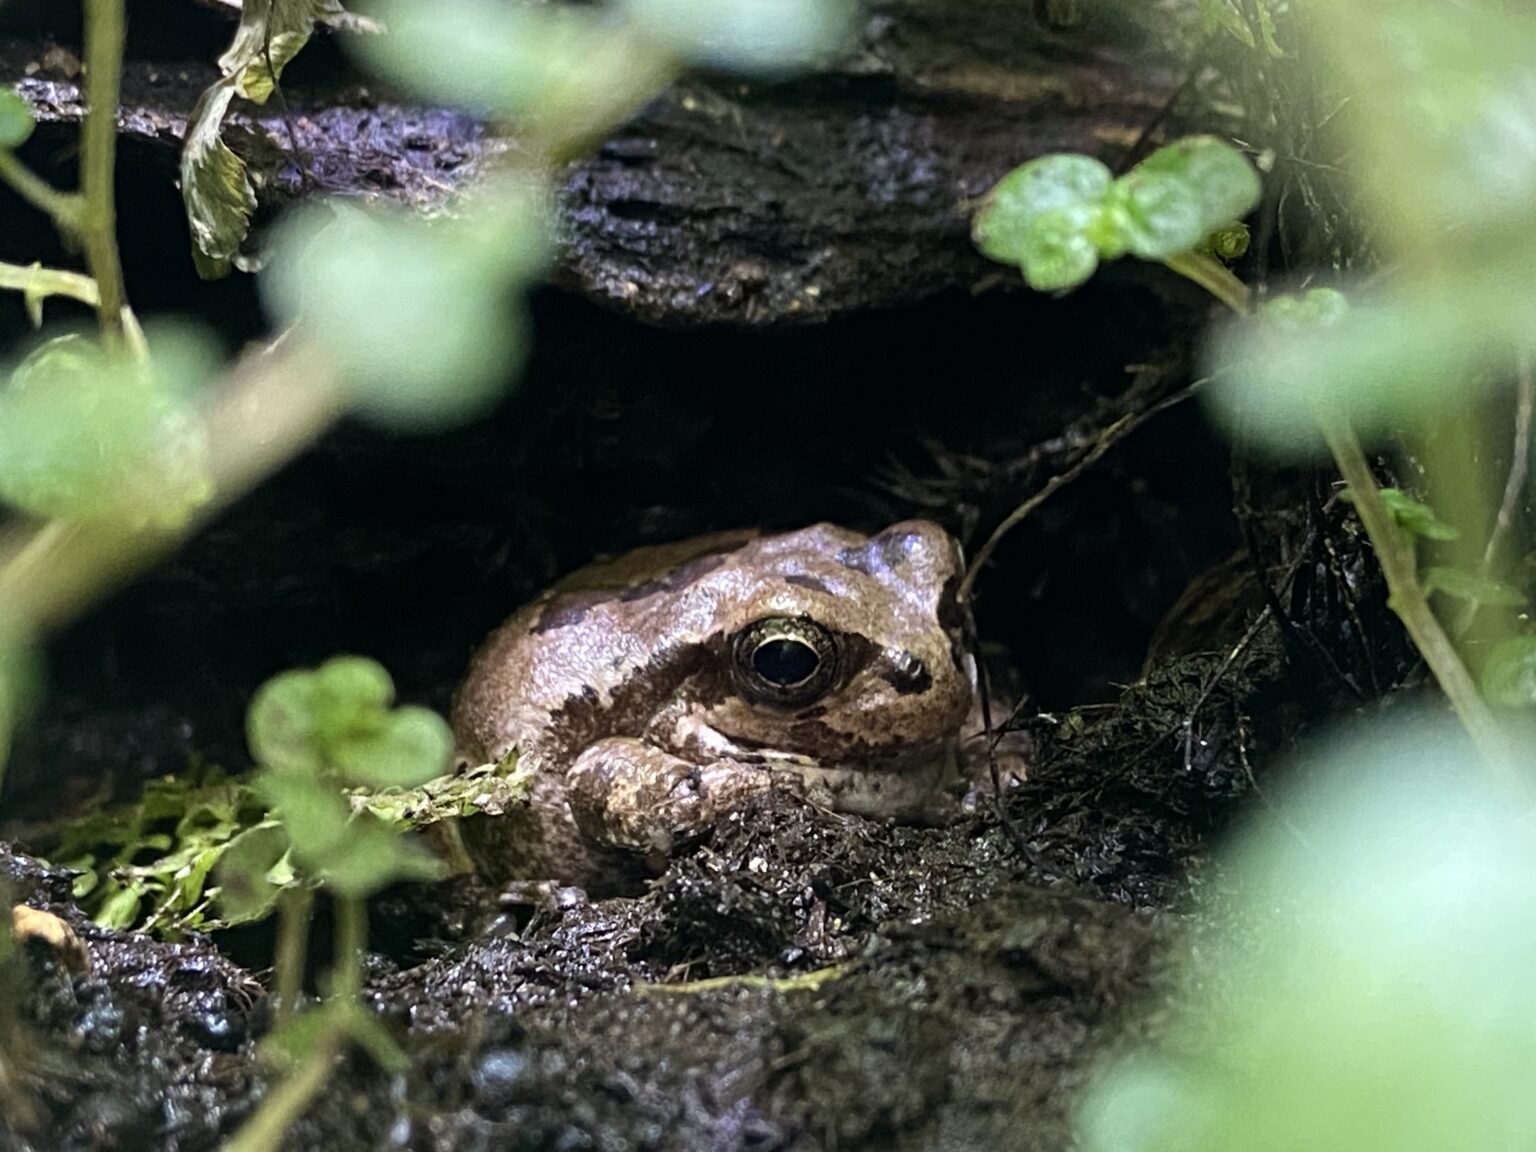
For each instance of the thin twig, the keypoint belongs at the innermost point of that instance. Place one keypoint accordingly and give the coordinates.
(1106, 439)
(1214, 679)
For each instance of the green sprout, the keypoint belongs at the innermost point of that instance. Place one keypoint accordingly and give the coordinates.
(316, 735)
(1057, 217)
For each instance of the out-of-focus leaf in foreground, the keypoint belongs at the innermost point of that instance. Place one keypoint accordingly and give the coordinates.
(1440, 105)
(19, 688)
(748, 35)
(88, 434)
(16, 122)
(504, 58)
(1370, 989)
(423, 318)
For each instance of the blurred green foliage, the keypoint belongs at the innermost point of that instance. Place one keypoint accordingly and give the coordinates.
(1438, 102)
(92, 434)
(747, 35)
(16, 123)
(423, 319)
(1370, 987)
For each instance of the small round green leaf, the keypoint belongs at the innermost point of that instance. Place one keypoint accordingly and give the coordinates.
(410, 747)
(246, 891)
(1176, 197)
(16, 122)
(281, 726)
(313, 814)
(353, 683)
(372, 856)
(1042, 218)
(485, 54)
(1509, 677)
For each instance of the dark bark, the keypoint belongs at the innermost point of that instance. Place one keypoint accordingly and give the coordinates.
(723, 202)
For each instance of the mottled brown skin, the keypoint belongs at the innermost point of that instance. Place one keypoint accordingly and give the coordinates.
(621, 689)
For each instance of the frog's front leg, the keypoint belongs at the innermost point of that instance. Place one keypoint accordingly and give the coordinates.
(627, 794)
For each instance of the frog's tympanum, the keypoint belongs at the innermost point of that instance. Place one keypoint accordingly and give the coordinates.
(653, 693)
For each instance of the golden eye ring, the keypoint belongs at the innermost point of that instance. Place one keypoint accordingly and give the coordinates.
(787, 661)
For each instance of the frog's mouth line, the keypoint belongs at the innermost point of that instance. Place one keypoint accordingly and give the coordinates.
(916, 783)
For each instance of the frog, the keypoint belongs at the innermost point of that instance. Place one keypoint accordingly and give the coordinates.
(647, 697)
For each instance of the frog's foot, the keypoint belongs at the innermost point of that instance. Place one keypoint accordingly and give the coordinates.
(34, 924)
(630, 795)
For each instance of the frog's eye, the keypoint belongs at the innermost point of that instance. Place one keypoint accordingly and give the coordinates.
(787, 660)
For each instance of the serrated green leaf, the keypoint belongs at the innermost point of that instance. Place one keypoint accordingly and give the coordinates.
(410, 747)
(120, 909)
(87, 435)
(215, 189)
(1509, 676)
(1041, 217)
(1471, 586)
(16, 122)
(217, 194)
(1416, 517)
(1412, 516)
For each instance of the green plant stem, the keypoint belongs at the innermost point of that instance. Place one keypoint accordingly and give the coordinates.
(1405, 596)
(351, 941)
(104, 35)
(1394, 551)
(39, 281)
(294, 909)
(1215, 277)
(265, 1130)
(63, 208)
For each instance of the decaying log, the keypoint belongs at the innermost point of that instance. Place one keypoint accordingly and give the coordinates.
(723, 202)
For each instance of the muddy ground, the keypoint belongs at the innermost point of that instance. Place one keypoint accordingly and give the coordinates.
(796, 980)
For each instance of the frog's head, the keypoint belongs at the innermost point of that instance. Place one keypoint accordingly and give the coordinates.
(840, 655)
